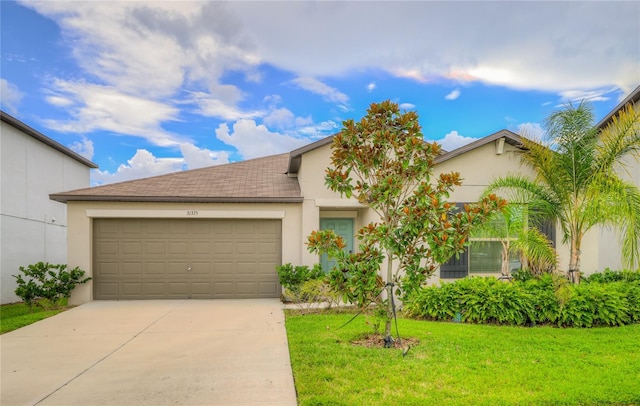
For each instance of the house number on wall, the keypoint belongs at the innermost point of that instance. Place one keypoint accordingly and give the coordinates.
(192, 212)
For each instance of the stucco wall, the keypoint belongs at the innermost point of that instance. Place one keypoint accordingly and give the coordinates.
(32, 227)
(319, 201)
(81, 215)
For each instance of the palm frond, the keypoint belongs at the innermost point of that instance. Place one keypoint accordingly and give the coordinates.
(621, 137)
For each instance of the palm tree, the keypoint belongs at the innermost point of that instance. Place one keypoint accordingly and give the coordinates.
(512, 228)
(577, 181)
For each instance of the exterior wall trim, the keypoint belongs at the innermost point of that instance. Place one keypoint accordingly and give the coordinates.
(196, 213)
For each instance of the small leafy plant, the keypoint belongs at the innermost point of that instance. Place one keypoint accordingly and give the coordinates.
(292, 277)
(51, 282)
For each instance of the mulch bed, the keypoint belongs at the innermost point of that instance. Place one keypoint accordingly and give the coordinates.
(377, 341)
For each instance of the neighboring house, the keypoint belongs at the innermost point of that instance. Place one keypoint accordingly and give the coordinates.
(607, 240)
(32, 227)
(219, 232)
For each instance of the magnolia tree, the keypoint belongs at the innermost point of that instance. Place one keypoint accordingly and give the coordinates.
(384, 162)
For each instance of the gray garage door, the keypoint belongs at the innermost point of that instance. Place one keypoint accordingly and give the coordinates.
(186, 258)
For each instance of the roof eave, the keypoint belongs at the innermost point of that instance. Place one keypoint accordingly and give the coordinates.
(511, 138)
(173, 199)
(14, 122)
(633, 97)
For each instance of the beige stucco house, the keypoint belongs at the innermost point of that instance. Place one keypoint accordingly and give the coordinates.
(219, 232)
(33, 228)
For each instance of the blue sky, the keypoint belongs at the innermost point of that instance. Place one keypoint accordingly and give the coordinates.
(145, 88)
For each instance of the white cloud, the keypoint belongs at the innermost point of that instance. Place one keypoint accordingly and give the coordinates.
(453, 95)
(371, 87)
(151, 52)
(10, 96)
(407, 106)
(96, 108)
(454, 140)
(142, 165)
(581, 45)
(282, 118)
(576, 96)
(320, 130)
(533, 131)
(210, 106)
(328, 93)
(195, 157)
(254, 141)
(84, 148)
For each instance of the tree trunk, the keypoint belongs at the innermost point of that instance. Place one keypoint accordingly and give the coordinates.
(574, 262)
(387, 327)
(505, 258)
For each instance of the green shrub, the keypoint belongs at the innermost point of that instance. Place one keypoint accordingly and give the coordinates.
(548, 299)
(312, 293)
(292, 277)
(435, 303)
(492, 301)
(609, 276)
(50, 282)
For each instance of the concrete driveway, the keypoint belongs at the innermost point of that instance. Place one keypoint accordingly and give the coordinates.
(157, 352)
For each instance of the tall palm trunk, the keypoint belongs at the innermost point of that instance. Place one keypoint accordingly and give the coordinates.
(505, 258)
(574, 261)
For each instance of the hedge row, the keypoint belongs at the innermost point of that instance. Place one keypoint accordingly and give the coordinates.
(546, 300)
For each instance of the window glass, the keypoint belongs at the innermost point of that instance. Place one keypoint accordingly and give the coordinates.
(486, 257)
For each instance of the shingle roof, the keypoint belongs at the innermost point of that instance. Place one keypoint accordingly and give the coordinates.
(261, 180)
(14, 122)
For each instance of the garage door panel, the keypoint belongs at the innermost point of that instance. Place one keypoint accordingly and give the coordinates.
(154, 269)
(223, 268)
(246, 268)
(132, 288)
(132, 227)
(178, 248)
(245, 248)
(154, 247)
(132, 269)
(268, 288)
(107, 269)
(267, 248)
(154, 289)
(178, 227)
(186, 258)
(223, 248)
(198, 269)
(266, 268)
(177, 269)
(132, 248)
(201, 248)
(177, 288)
(107, 248)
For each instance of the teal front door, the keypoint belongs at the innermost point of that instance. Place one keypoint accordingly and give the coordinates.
(342, 227)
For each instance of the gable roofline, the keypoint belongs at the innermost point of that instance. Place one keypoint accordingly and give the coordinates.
(295, 156)
(509, 136)
(14, 122)
(633, 97)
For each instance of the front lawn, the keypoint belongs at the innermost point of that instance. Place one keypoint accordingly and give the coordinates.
(16, 315)
(463, 364)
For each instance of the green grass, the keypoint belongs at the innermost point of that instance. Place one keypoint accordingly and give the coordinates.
(463, 364)
(16, 315)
